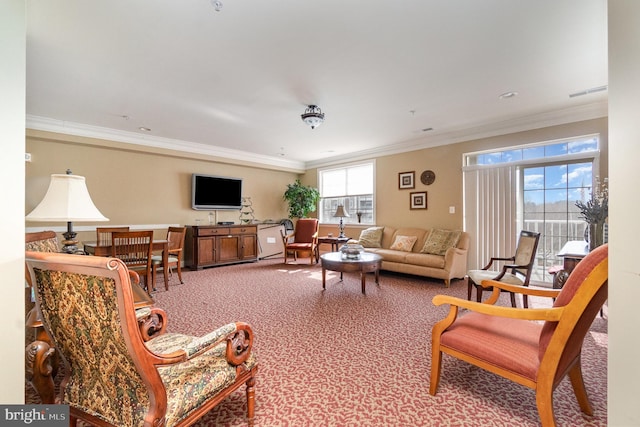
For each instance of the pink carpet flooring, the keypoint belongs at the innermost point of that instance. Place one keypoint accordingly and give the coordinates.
(341, 358)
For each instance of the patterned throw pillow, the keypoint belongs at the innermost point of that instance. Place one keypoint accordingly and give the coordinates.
(439, 241)
(371, 237)
(404, 243)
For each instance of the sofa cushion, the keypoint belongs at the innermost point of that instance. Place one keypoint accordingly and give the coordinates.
(403, 243)
(425, 260)
(440, 240)
(371, 237)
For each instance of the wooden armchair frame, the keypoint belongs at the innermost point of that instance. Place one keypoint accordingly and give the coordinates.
(556, 343)
(161, 379)
(309, 244)
(519, 264)
(41, 360)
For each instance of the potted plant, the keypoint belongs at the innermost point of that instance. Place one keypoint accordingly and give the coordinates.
(302, 199)
(595, 212)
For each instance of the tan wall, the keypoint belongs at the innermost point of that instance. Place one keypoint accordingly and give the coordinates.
(392, 204)
(142, 188)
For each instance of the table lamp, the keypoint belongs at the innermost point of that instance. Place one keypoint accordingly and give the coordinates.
(67, 199)
(341, 213)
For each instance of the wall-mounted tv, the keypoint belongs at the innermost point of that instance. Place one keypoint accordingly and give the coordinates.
(210, 192)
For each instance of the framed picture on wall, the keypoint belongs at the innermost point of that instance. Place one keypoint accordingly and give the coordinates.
(418, 200)
(406, 180)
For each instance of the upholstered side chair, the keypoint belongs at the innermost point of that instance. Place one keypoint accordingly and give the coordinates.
(112, 376)
(516, 269)
(175, 243)
(303, 239)
(537, 347)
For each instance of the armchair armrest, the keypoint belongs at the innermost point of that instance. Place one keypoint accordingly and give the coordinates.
(486, 267)
(523, 290)
(553, 313)
(238, 337)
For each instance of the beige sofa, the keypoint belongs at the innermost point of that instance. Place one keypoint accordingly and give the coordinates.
(451, 264)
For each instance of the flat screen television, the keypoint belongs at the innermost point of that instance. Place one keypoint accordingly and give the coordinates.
(210, 192)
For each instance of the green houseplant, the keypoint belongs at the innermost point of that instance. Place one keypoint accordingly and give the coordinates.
(302, 199)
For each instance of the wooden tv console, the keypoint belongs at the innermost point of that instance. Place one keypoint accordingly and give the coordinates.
(211, 245)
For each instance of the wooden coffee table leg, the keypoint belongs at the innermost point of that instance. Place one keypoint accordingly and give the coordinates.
(377, 276)
(363, 278)
(324, 277)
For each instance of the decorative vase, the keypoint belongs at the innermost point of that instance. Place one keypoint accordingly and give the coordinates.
(596, 235)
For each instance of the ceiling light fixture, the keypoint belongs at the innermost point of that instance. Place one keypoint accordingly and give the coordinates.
(508, 95)
(588, 91)
(217, 5)
(313, 116)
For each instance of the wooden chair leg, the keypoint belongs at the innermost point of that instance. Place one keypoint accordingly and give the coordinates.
(575, 375)
(544, 402)
(469, 287)
(180, 273)
(251, 400)
(513, 299)
(436, 367)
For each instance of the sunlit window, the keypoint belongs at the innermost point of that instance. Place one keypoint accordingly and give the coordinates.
(350, 186)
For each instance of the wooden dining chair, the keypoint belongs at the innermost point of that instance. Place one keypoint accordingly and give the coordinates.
(175, 240)
(134, 249)
(103, 234)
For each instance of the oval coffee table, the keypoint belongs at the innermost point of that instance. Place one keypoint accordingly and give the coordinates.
(367, 263)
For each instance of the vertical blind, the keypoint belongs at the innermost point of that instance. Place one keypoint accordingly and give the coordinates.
(491, 211)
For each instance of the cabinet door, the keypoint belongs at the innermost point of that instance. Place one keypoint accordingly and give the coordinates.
(248, 247)
(228, 248)
(206, 251)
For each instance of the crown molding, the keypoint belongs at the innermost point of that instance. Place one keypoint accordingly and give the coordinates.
(506, 126)
(89, 131)
(460, 134)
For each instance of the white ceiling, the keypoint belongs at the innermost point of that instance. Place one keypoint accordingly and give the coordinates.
(235, 82)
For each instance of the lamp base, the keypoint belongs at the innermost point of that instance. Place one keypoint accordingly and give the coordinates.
(341, 228)
(70, 243)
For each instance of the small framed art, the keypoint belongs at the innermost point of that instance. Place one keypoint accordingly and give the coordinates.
(418, 200)
(406, 180)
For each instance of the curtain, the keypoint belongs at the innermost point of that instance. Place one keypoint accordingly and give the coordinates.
(490, 212)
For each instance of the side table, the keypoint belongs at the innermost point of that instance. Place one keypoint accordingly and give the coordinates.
(333, 241)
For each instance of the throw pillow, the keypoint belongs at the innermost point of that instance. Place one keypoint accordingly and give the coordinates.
(371, 237)
(403, 243)
(439, 241)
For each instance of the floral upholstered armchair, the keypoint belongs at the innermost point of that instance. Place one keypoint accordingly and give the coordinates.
(41, 362)
(114, 377)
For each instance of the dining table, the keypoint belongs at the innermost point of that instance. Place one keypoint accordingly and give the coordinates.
(93, 248)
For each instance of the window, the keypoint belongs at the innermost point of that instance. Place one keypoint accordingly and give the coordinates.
(532, 187)
(350, 186)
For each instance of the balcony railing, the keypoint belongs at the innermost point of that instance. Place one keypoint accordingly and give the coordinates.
(553, 236)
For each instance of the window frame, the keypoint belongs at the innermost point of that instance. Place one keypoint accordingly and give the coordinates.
(335, 200)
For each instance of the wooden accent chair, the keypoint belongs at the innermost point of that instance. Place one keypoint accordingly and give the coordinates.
(134, 249)
(41, 364)
(304, 238)
(112, 376)
(103, 234)
(516, 272)
(175, 239)
(536, 348)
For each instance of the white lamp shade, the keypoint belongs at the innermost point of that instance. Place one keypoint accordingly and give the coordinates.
(67, 200)
(341, 212)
